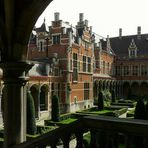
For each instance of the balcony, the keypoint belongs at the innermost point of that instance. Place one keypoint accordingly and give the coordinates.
(106, 132)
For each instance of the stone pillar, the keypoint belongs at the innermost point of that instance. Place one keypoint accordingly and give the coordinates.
(121, 90)
(39, 95)
(118, 90)
(14, 77)
(68, 97)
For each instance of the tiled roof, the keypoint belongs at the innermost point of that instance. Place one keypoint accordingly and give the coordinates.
(42, 28)
(120, 45)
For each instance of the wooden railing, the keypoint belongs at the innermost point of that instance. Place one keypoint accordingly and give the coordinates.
(106, 132)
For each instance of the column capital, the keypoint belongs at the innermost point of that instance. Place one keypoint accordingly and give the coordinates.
(14, 72)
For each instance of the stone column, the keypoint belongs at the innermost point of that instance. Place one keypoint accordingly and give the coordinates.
(14, 77)
(118, 90)
(39, 95)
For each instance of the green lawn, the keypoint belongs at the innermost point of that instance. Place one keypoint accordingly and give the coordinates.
(67, 121)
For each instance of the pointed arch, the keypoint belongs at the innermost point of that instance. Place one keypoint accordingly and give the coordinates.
(135, 89)
(126, 88)
(144, 88)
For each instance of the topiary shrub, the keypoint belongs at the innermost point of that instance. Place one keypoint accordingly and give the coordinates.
(113, 96)
(100, 101)
(31, 125)
(139, 110)
(139, 114)
(55, 113)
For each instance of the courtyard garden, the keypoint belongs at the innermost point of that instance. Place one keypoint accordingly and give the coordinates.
(103, 107)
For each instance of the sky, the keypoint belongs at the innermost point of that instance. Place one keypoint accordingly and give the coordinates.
(105, 16)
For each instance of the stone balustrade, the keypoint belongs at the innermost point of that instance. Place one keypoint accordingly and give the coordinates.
(106, 132)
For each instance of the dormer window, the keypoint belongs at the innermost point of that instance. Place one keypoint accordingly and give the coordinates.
(132, 50)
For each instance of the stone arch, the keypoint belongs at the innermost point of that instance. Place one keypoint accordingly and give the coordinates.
(135, 89)
(117, 85)
(44, 89)
(126, 89)
(34, 89)
(104, 84)
(100, 85)
(108, 84)
(144, 89)
(95, 89)
(13, 61)
(111, 86)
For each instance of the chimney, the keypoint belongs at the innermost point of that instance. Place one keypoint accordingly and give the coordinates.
(90, 29)
(120, 33)
(86, 23)
(81, 15)
(100, 45)
(138, 30)
(56, 16)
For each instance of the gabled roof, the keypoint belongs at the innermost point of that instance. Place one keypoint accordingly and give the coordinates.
(42, 28)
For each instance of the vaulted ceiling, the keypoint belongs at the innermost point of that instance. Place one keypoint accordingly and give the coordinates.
(17, 18)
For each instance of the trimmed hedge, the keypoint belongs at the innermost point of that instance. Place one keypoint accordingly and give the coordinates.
(60, 123)
(125, 101)
(120, 111)
(55, 113)
(130, 114)
(139, 110)
(44, 129)
(100, 101)
(41, 130)
(124, 104)
(31, 124)
(110, 111)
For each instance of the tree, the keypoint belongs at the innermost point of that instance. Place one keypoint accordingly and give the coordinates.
(140, 110)
(31, 125)
(100, 101)
(55, 113)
